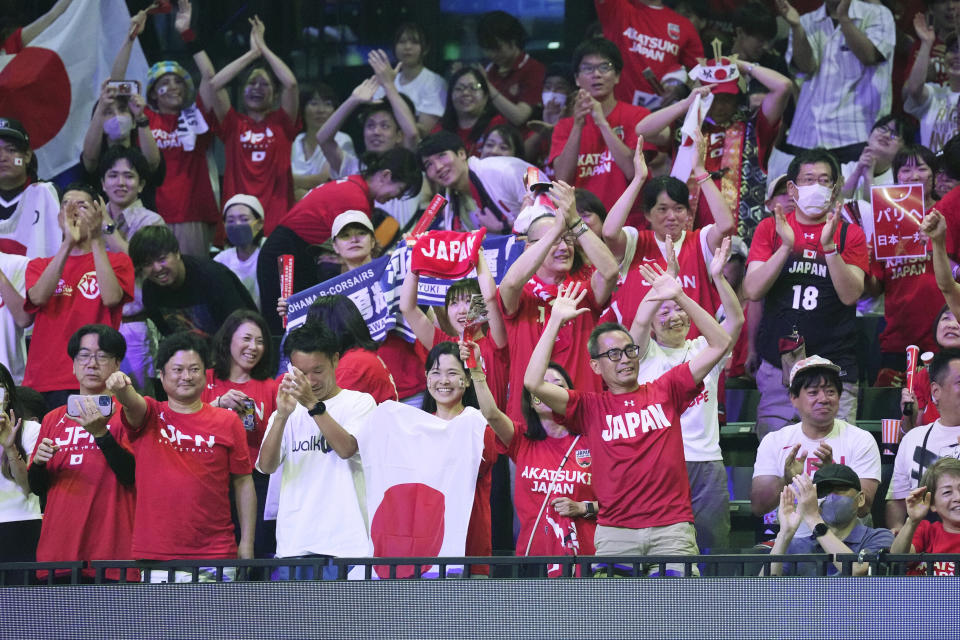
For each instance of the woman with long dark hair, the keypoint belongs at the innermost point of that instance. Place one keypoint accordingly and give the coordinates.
(470, 114)
(552, 494)
(19, 509)
(241, 381)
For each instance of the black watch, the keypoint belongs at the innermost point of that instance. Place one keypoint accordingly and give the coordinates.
(820, 530)
(109, 228)
(318, 409)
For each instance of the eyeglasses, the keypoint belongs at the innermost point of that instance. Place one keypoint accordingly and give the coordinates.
(83, 357)
(570, 239)
(467, 88)
(604, 68)
(631, 351)
(887, 130)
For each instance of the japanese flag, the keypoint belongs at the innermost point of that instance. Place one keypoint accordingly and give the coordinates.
(52, 84)
(421, 475)
(687, 153)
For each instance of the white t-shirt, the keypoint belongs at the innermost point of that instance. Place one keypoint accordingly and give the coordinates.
(629, 250)
(502, 179)
(33, 229)
(937, 114)
(851, 446)
(861, 192)
(322, 500)
(913, 459)
(300, 165)
(13, 347)
(428, 92)
(699, 423)
(246, 270)
(14, 505)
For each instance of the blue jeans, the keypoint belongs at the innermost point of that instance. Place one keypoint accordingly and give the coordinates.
(305, 572)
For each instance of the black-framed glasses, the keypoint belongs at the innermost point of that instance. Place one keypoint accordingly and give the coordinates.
(83, 357)
(604, 68)
(614, 355)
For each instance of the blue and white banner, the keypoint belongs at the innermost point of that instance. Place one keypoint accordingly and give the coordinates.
(375, 287)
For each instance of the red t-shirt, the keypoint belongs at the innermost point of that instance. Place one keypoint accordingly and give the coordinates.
(75, 302)
(949, 206)
(264, 395)
(474, 147)
(596, 169)
(404, 363)
(89, 514)
(637, 447)
(185, 464)
(930, 537)
(258, 161)
(523, 82)
(495, 363)
(362, 370)
(912, 303)
(186, 194)
(312, 217)
(479, 532)
(694, 275)
(525, 326)
(657, 38)
(537, 463)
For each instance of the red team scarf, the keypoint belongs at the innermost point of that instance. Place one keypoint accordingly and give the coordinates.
(447, 254)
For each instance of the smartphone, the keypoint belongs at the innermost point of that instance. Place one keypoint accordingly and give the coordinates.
(3, 399)
(125, 87)
(104, 404)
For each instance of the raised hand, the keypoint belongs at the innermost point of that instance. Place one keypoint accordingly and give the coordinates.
(784, 230)
(787, 514)
(934, 226)
(720, 258)
(918, 504)
(282, 306)
(673, 266)
(137, 23)
(830, 228)
(703, 92)
(9, 426)
(257, 29)
(701, 145)
(824, 453)
(564, 197)
(286, 403)
(468, 346)
(788, 12)
(793, 465)
(582, 107)
(565, 304)
(295, 383)
(118, 381)
(663, 286)
(365, 91)
(380, 63)
(184, 12)
(136, 103)
(923, 28)
(843, 9)
(806, 492)
(640, 171)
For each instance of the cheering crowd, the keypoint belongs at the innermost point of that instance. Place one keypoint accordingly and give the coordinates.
(617, 237)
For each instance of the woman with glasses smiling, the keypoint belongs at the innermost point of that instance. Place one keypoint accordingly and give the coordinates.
(660, 331)
(470, 114)
(875, 165)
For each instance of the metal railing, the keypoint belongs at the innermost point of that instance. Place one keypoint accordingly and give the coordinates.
(445, 568)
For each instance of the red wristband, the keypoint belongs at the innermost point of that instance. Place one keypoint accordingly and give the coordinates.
(188, 35)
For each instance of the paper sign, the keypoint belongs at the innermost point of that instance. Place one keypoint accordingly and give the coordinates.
(897, 212)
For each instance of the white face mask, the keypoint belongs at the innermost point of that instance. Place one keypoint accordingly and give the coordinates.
(118, 126)
(554, 96)
(813, 199)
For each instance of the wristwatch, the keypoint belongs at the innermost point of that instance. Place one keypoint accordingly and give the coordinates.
(318, 409)
(143, 122)
(591, 510)
(109, 228)
(820, 530)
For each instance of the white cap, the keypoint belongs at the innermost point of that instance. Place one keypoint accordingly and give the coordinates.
(350, 217)
(810, 363)
(530, 213)
(244, 199)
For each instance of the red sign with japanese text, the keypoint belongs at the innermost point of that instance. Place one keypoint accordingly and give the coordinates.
(897, 212)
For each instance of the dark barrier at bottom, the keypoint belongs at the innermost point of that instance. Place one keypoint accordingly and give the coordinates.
(871, 607)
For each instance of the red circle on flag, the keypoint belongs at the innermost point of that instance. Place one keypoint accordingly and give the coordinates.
(35, 89)
(720, 74)
(408, 522)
